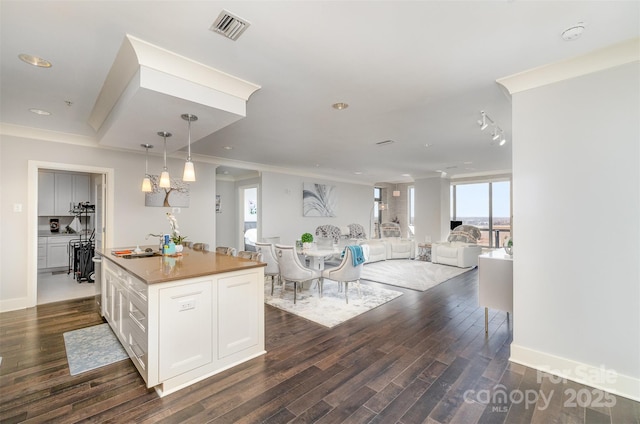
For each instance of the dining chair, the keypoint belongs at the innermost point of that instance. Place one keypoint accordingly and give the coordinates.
(200, 246)
(269, 256)
(291, 270)
(347, 271)
(223, 250)
(254, 256)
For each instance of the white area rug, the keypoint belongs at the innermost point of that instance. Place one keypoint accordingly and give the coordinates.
(415, 275)
(92, 347)
(332, 309)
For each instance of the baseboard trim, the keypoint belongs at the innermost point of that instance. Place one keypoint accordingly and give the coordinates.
(13, 304)
(597, 377)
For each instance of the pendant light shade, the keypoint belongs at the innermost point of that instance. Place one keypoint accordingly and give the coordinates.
(189, 171)
(165, 181)
(146, 182)
(396, 192)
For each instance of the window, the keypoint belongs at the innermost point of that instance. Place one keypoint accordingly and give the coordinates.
(486, 205)
(411, 208)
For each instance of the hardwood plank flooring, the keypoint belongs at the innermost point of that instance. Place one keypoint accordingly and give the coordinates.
(412, 360)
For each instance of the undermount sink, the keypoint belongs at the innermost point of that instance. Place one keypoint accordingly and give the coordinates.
(141, 255)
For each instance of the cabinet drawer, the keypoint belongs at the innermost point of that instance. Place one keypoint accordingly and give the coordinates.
(138, 313)
(138, 350)
(139, 289)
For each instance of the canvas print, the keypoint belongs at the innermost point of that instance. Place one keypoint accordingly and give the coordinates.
(318, 200)
(176, 196)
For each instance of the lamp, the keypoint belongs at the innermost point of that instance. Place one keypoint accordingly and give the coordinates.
(497, 133)
(189, 173)
(482, 121)
(165, 181)
(146, 182)
(396, 192)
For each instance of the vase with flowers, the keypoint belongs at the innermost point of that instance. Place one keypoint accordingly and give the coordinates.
(508, 246)
(176, 237)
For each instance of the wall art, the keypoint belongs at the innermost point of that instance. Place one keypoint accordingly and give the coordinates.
(176, 196)
(318, 200)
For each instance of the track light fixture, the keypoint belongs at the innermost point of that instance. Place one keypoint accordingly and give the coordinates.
(497, 133)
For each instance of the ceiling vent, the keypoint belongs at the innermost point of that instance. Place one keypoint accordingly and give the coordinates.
(229, 25)
(385, 142)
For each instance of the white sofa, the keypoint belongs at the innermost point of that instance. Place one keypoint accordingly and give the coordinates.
(390, 248)
(460, 249)
(460, 254)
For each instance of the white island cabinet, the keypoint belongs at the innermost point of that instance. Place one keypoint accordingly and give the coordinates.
(183, 319)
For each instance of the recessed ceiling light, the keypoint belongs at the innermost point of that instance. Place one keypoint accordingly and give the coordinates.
(34, 60)
(467, 162)
(428, 145)
(406, 175)
(228, 148)
(340, 106)
(358, 172)
(40, 112)
(573, 32)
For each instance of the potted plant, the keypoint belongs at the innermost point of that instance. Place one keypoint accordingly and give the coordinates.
(307, 239)
(508, 245)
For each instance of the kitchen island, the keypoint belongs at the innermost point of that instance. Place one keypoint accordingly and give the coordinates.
(184, 318)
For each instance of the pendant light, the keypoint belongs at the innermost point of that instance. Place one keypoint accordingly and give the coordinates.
(396, 192)
(165, 181)
(189, 172)
(146, 183)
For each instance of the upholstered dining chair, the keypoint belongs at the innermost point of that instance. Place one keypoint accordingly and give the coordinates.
(229, 251)
(200, 246)
(254, 256)
(347, 271)
(269, 256)
(291, 270)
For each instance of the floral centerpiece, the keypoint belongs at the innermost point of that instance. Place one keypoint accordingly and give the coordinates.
(176, 237)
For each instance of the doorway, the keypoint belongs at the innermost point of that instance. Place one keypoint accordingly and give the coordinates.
(101, 179)
(248, 217)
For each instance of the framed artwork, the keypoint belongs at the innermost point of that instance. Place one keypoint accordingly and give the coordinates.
(218, 206)
(318, 199)
(176, 196)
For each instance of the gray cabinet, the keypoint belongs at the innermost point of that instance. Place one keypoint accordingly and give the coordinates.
(58, 191)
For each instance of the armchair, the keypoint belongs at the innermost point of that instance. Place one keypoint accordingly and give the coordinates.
(460, 249)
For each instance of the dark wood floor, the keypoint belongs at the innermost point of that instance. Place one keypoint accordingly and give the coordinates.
(422, 357)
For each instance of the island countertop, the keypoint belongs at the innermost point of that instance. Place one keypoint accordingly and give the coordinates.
(191, 263)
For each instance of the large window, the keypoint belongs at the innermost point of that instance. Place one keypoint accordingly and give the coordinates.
(486, 205)
(411, 207)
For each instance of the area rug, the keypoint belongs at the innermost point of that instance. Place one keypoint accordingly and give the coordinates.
(92, 347)
(410, 274)
(331, 309)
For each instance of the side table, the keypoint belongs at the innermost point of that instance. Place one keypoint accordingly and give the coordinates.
(495, 283)
(424, 252)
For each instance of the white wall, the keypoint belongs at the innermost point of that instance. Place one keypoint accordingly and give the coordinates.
(576, 206)
(132, 220)
(432, 209)
(281, 203)
(226, 222)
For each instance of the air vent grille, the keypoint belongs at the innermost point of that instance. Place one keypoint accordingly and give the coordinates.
(385, 142)
(229, 25)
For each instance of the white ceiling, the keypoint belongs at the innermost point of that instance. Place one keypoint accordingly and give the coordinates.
(416, 72)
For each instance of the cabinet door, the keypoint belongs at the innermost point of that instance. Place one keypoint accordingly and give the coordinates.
(185, 340)
(57, 255)
(46, 193)
(63, 193)
(81, 189)
(238, 306)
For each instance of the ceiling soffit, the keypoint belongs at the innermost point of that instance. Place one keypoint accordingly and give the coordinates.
(148, 89)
